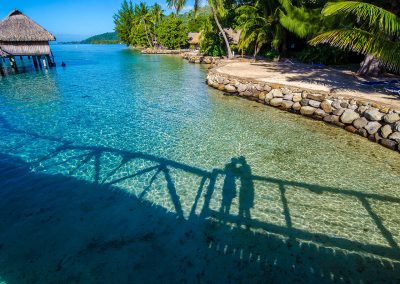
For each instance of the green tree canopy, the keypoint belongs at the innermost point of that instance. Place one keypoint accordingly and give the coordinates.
(172, 33)
(124, 20)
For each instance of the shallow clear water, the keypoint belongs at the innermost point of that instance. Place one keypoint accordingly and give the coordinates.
(118, 168)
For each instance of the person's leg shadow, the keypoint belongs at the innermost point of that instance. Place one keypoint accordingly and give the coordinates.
(229, 188)
(246, 194)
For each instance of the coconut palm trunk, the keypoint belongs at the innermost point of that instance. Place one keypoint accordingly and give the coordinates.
(147, 35)
(370, 67)
(228, 48)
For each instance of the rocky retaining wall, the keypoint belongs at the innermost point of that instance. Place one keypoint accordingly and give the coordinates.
(163, 51)
(376, 122)
(200, 59)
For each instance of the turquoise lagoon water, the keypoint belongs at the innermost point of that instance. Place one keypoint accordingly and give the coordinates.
(128, 168)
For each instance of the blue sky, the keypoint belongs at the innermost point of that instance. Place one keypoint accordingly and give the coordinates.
(71, 19)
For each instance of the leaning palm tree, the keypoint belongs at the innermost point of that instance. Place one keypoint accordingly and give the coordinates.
(375, 34)
(217, 9)
(255, 28)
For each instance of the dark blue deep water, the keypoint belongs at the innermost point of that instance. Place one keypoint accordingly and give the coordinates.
(127, 168)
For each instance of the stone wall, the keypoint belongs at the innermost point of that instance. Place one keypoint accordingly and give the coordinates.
(378, 123)
(200, 59)
(163, 51)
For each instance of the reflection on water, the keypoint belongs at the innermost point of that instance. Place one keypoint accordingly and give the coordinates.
(139, 182)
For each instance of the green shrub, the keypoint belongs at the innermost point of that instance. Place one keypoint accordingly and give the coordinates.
(210, 42)
(172, 33)
(323, 54)
(271, 54)
(138, 36)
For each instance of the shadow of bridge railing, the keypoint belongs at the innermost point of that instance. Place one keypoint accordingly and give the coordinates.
(112, 175)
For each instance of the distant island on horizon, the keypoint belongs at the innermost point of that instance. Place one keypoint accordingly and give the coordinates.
(105, 38)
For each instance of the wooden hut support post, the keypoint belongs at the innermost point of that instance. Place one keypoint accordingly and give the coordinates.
(13, 64)
(44, 62)
(35, 62)
(39, 62)
(50, 61)
(1, 68)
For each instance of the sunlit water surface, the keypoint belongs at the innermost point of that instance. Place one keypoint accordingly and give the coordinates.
(118, 168)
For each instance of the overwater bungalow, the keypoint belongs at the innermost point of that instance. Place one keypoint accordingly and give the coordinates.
(20, 36)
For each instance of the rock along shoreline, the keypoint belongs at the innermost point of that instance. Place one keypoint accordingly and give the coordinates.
(378, 123)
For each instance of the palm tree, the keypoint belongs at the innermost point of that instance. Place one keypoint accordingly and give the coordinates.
(217, 9)
(268, 21)
(177, 5)
(156, 14)
(375, 34)
(302, 21)
(255, 28)
(143, 17)
(123, 21)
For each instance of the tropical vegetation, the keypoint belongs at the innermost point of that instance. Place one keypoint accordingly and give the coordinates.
(105, 38)
(375, 33)
(313, 31)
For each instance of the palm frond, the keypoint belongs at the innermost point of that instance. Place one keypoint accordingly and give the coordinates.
(386, 21)
(363, 42)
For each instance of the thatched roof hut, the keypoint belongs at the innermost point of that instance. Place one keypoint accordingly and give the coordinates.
(19, 35)
(194, 38)
(233, 36)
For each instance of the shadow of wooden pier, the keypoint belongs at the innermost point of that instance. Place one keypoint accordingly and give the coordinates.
(188, 244)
